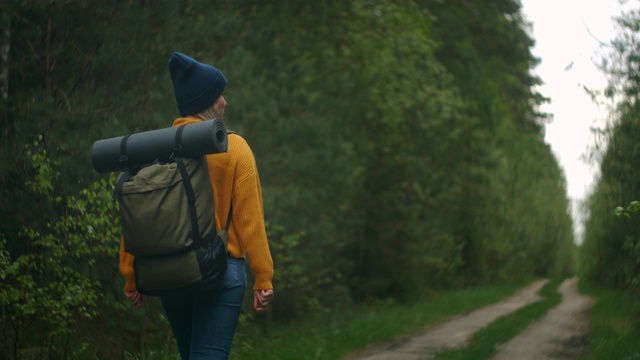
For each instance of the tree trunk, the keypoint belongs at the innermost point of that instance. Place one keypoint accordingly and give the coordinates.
(5, 44)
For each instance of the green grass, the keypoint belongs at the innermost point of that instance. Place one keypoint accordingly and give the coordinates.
(483, 344)
(333, 335)
(615, 325)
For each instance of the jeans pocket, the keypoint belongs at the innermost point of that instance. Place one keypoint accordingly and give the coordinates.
(235, 274)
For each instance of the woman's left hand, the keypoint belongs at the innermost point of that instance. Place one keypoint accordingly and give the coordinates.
(261, 299)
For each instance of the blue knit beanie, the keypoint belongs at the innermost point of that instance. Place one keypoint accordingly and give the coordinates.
(195, 85)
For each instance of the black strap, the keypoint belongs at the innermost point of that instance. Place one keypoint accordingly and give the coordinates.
(126, 175)
(188, 188)
(191, 197)
(229, 217)
(177, 145)
(229, 132)
(124, 157)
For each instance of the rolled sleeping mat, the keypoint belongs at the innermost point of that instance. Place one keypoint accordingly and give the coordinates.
(198, 139)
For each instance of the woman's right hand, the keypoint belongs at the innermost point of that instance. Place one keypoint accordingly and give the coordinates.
(136, 298)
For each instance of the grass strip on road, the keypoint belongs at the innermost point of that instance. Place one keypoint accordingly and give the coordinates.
(484, 343)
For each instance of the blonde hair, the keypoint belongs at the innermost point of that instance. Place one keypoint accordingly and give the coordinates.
(208, 113)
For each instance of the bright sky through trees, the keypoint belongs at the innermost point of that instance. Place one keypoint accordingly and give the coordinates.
(568, 36)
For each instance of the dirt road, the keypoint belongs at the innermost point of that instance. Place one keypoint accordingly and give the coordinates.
(559, 335)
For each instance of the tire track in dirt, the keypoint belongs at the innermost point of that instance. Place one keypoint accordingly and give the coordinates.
(561, 334)
(451, 334)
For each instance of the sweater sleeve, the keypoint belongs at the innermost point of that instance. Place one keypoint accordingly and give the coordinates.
(126, 268)
(248, 219)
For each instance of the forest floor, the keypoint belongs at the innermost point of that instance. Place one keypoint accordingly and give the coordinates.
(561, 334)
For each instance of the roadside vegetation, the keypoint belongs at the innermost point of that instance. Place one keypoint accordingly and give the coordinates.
(615, 324)
(609, 258)
(334, 334)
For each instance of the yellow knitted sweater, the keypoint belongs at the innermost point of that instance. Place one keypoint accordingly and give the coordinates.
(234, 178)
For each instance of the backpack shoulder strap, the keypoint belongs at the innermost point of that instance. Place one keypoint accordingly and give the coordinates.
(229, 132)
(126, 175)
(188, 188)
(229, 217)
(191, 197)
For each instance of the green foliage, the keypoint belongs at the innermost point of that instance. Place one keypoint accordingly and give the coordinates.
(50, 285)
(59, 293)
(631, 209)
(610, 255)
(614, 322)
(296, 288)
(396, 157)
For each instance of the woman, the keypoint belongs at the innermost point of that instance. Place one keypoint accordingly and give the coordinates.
(204, 322)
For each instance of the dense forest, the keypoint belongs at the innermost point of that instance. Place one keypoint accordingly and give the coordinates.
(400, 148)
(610, 255)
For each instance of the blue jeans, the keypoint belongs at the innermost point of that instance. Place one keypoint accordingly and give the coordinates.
(204, 322)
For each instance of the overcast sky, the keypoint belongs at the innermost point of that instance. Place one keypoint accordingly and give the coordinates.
(568, 35)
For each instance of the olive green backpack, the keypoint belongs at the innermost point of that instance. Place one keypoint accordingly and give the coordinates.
(168, 223)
